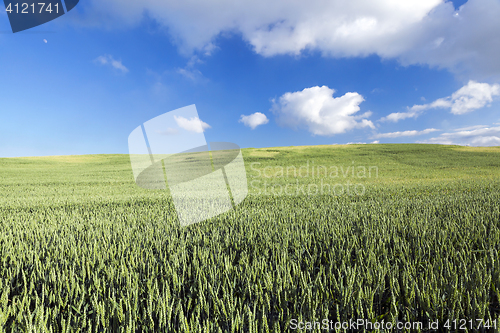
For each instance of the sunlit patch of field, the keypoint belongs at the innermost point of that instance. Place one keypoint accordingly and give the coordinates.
(477, 149)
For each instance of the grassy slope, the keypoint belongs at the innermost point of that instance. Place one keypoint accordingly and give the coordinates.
(76, 179)
(420, 244)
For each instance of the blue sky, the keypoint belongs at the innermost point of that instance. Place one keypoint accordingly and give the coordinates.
(427, 71)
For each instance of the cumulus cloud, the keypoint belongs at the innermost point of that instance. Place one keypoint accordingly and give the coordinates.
(470, 97)
(464, 41)
(404, 133)
(254, 120)
(317, 110)
(357, 27)
(429, 32)
(193, 124)
(109, 60)
(475, 136)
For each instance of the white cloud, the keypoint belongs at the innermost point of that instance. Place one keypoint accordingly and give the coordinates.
(473, 96)
(465, 41)
(192, 74)
(189, 71)
(357, 27)
(470, 97)
(397, 116)
(254, 120)
(404, 133)
(45, 41)
(468, 128)
(316, 109)
(413, 31)
(193, 124)
(103, 60)
(109, 60)
(478, 136)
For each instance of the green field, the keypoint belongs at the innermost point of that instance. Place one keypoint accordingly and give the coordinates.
(415, 237)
